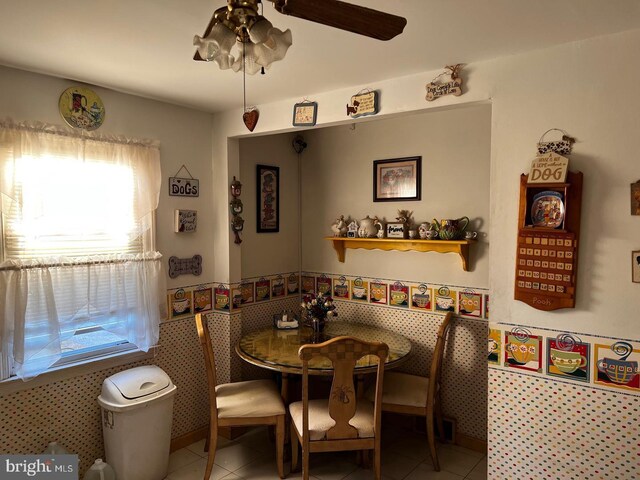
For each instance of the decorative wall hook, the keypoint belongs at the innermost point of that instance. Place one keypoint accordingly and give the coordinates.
(236, 207)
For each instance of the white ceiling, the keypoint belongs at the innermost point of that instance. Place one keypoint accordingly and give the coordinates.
(145, 46)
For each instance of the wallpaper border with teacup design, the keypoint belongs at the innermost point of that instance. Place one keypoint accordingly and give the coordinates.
(598, 361)
(422, 296)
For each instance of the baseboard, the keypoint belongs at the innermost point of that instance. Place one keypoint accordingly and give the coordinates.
(471, 443)
(187, 439)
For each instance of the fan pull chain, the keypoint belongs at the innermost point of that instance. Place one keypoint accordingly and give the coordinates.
(244, 80)
(262, 72)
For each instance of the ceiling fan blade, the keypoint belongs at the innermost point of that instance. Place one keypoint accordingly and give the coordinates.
(345, 16)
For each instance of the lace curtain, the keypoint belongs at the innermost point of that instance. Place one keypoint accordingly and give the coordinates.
(78, 243)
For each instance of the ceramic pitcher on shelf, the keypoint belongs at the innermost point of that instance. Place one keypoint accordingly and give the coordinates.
(451, 229)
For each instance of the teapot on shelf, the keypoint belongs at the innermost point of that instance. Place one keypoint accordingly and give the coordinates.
(451, 229)
(369, 227)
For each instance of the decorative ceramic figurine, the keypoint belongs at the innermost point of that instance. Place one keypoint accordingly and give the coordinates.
(450, 229)
(423, 229)
(381, 228)
(368, 227)
(352, 231)
(339, 227)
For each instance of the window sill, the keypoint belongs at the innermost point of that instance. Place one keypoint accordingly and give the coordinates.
(77, 369)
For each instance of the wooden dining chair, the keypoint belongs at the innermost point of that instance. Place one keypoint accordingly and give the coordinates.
(342, 421)
(239, 404)
(420, 396)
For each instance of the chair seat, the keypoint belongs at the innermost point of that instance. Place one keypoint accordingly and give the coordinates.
(320, 421)
(403, 389)
(254, 398)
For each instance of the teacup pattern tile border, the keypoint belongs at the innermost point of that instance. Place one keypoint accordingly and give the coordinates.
(598, 361)
(422, 296)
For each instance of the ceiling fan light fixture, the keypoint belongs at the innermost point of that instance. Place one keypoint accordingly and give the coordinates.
(238, 34)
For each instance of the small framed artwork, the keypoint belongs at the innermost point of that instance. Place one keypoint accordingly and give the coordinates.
(635, 266)
(305, 114)
(268, 198)
(186, 221)
(397, 179)
(397, 230)
(635, 198)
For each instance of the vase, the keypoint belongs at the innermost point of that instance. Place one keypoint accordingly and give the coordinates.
(317, 324)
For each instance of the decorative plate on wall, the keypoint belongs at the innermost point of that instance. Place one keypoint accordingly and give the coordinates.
(82, 108)
(547, 209)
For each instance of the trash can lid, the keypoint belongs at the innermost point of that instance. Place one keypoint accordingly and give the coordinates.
(135, 383)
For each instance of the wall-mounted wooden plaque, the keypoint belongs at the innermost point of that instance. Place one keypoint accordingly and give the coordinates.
(548, 240)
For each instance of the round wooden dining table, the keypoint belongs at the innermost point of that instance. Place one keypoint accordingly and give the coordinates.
(277, 350)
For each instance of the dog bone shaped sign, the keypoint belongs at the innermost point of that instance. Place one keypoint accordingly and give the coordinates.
(182, 266)
(436, 90)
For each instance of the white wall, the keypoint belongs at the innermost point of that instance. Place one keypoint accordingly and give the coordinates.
(587, 88)
(270, 253)
(337, 179)
(184, 135)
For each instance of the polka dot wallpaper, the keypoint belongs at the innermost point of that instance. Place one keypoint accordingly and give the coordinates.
(541, 428)
(66, 411)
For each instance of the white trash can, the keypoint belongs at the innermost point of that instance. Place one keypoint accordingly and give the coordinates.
(137, 412)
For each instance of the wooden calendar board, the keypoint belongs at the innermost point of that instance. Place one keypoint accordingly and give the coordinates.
(547, 256)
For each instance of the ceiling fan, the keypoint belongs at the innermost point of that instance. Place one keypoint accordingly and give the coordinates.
(239, 25)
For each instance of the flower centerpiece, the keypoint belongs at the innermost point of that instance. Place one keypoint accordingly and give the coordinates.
(317, 309)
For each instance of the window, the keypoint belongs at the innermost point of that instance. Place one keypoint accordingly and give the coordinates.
(79, 274)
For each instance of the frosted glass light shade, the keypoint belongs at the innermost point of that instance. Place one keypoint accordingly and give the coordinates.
(251, 66)
(217, 45)
(275, 48)
(260, 31)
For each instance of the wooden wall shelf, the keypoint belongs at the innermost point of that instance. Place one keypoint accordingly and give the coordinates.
(461, 247)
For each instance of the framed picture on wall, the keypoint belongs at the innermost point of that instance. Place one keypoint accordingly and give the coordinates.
(268, 198)
(635, 198)
(305, 114)
(635, 266)
(397, 179)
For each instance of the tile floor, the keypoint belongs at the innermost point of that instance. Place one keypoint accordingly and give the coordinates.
(252, 457)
